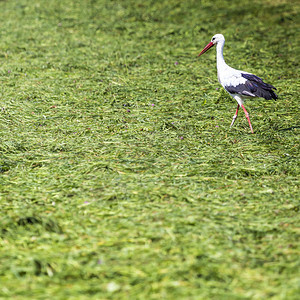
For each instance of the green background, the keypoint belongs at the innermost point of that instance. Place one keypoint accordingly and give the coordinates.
(120, 177)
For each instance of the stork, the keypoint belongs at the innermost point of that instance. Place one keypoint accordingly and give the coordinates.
(239, 84)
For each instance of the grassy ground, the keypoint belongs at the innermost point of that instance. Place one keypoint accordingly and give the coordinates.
(120, 177)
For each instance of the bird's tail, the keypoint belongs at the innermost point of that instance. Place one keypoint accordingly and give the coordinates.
(262, 89)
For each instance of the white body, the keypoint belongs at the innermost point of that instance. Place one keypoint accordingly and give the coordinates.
(228, 76)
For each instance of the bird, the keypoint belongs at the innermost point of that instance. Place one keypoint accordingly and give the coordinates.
(239, 84)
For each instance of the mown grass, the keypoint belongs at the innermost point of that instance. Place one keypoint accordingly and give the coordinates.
(120, 176)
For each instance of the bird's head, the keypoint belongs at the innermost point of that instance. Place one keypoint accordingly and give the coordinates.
(215, 40)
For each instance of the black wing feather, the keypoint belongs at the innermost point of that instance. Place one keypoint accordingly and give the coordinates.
(260, 88)
(253, 87)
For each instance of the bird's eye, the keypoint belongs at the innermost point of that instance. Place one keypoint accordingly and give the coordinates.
(213, 39)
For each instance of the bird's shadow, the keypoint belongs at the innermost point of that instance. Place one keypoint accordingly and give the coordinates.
(289, 128)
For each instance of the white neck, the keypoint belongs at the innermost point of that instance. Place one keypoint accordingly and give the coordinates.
(220, 59)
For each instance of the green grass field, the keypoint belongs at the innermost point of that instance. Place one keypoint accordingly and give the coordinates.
(119, 175)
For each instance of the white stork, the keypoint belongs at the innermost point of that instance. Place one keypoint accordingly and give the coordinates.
(239, 84)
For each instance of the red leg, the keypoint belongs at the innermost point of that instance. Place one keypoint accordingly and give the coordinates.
(247, 116)
(235, 116)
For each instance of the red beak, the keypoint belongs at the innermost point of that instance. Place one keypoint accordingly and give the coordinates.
(209, 45)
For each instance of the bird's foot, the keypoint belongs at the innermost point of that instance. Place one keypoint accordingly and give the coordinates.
(233, 120)
(247, 116)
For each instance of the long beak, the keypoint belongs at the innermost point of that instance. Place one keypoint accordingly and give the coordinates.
(209, 45)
